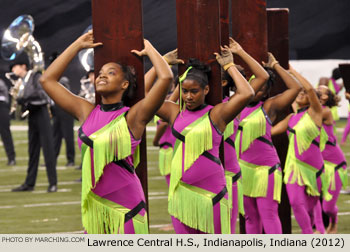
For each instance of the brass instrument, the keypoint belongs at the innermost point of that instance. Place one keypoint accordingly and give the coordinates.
(16, 39)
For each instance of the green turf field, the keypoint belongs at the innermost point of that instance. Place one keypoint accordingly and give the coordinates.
(42, 212)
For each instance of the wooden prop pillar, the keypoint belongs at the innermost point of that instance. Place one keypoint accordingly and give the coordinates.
(278, 45)
(249, 29)
(345, 74)
(198, 36)
(120, 32)
(224, 22)
(225, 31)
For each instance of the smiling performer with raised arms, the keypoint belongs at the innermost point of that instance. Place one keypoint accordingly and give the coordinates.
(112, 197)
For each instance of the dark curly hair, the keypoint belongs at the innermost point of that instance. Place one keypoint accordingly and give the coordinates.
(333, 99)
(227, 77)
(199, 72)
(269, 82)
(130, 76)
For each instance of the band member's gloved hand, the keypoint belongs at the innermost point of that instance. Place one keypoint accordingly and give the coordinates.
(234, 46)
(271, 61)
(225, 59)
(171, 58)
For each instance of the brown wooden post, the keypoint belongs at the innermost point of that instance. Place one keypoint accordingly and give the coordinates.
(249, 28)
(278, 45)
(224, 22)
(120, 32)
(345, 74)
(198, 36)
(224, 33)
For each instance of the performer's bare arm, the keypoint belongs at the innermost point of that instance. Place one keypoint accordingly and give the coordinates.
(279, 102)
(315, 110)
(143, 111)
(223, 113)
(281, 127)
(73, 104)
(261, 76)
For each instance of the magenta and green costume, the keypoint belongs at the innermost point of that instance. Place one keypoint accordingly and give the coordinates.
(166, 143)
(198, 198)
(233, 171)
(335, 88)
(335, 172)
(112, 197)
(261, 171)
(304, 168)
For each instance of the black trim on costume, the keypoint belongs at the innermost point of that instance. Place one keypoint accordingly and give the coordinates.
(215, 127)
(274, 168)
(122, 163)
(133, 212)
(84, 138)
(332, 143)
(302, 109)
(313, 141)
(211, 157)
(291, 130)
(230, 142)
(319, 172)
(165, 144)
(266, 116)
(252, 104)
(111, 107)
(316, 143)
(264, 140)
(240, 127)
(219, 196)
(236, 177)
(200, 107)
(177, 134)
(340, 165)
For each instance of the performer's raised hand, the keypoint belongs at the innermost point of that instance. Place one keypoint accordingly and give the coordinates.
(225, 59)
(271, 61)
(87, 40)
(171, 58)
(234, 46)
(147, 47)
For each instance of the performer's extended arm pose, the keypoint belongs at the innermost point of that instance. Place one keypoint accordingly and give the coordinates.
(232, 169)
(258, 159)
(334, 162)
(198, 193)
(304, 164)
(112, 196)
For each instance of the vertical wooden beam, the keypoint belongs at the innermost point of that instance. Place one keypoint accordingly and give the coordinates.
(120, 32)
(224, 22)
(278, 45)
(345, 74)
(249, 28)
(198, 36)
(225, 31)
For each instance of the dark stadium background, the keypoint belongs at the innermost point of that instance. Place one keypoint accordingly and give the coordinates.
(319, 29)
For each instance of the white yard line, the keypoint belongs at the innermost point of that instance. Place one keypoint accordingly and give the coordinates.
(44, 184)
